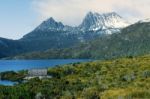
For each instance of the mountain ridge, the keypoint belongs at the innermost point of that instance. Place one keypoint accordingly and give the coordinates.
(133, 40)
(52, 34)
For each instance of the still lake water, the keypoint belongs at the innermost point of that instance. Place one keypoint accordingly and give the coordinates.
(7, 83)
(16, 65)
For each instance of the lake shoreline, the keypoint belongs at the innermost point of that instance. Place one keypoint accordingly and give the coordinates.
(17, 70)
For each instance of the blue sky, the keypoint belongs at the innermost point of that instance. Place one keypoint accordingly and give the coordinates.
(19, 17)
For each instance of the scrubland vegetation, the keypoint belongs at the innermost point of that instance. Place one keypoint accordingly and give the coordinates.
(110, 79)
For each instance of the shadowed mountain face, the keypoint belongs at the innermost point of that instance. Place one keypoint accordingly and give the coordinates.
(51, 34)
(10, 47)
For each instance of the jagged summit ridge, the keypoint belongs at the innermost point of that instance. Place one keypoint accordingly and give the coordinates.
(50, 24)
(95, 21)
(92, 21)
(93, 25)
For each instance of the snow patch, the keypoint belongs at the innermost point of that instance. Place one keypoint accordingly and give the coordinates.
(144, 21)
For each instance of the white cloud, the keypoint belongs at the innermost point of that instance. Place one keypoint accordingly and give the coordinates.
(71, 12)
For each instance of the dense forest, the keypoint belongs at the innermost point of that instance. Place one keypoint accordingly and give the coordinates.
(110, 79)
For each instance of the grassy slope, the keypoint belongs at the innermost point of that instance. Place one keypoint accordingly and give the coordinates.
(125, 77)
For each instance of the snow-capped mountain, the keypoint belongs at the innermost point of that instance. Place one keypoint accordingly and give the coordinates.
(93, 26)
(96, 21)
(92, 21)
(51, 34)
(107, 23)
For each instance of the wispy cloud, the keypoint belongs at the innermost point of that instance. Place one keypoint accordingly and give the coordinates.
(71, 12)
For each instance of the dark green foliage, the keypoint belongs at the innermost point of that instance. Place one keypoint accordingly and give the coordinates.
(13, 76)
(146, 73)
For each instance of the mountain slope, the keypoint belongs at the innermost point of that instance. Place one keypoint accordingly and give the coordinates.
(132, 41)
(10, 47)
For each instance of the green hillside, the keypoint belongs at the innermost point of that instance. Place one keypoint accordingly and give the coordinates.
(124, 78)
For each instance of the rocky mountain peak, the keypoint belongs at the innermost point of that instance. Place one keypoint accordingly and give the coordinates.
(50, 24)
(95, 21)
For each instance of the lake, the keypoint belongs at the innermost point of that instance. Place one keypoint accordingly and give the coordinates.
(7, 83)
(16, 65)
